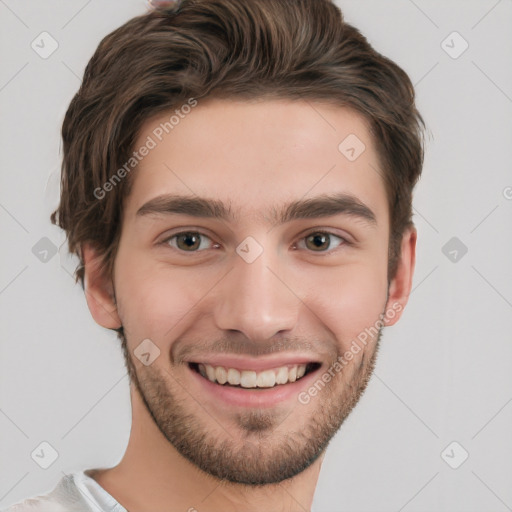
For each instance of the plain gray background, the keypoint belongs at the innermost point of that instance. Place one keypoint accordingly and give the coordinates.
(444, 371)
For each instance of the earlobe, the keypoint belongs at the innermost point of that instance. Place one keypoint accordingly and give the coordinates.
(99, 291)
(401, 284)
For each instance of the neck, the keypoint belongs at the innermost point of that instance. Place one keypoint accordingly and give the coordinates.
(153, 475)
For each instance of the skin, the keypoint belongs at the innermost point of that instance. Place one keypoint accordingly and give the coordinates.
(292, 299)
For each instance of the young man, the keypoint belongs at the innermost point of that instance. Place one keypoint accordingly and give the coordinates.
(237, 182)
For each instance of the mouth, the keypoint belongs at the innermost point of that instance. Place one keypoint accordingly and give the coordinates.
(253, 379)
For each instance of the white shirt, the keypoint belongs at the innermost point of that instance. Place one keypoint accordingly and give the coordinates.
(76, 492)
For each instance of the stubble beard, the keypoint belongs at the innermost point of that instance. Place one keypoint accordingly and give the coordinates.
(257, 452)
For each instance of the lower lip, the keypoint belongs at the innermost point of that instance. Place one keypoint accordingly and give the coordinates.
(254, 397)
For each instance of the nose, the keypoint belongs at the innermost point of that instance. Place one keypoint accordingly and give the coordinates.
(256, 299)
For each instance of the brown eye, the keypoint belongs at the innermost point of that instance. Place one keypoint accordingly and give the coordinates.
(189, 241)
(319, 241)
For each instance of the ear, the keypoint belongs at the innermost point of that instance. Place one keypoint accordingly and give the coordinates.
(400, 286)
(99, 290)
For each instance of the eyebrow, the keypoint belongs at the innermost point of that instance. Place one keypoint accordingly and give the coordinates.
(316, 207)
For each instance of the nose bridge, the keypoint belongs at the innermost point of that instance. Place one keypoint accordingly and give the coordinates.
(254, 298)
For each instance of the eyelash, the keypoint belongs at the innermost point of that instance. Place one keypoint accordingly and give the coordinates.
(343, 240)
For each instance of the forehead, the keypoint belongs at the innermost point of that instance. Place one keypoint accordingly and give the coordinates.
(257, 155)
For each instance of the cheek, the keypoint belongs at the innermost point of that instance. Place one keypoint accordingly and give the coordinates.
(155, 300)
(350, 301)
(159, 306)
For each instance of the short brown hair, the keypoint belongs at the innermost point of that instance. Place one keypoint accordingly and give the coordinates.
(238, 49)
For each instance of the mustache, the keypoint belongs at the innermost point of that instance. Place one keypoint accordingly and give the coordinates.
(186, 350)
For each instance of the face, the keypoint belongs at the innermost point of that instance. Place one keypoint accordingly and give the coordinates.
(253, 261)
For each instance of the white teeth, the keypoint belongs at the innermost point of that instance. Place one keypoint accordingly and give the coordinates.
(282, 375)
(250, 378)
(233, 377)
(266, 379)
(210, 372)
(221, 375)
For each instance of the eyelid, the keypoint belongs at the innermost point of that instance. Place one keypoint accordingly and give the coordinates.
(180, 231)
(346, 237)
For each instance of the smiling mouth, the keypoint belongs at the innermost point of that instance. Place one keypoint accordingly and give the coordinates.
(251, 379)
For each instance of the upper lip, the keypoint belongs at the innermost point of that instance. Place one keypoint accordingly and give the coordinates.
(253, 363)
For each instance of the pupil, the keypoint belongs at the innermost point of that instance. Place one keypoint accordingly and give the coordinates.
(321, 239)
(190, 240)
